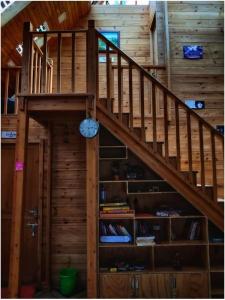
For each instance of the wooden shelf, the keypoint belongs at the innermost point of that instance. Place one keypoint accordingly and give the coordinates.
(188, 242)
(164, 244)
(131, 180)
(109, 245)
(216, 244)
(218, 291)
(218, 269)
(152, 193)
(117, 146)
(183, 270)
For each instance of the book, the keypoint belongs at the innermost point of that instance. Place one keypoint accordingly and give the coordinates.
(113, 204)
(194, 230)
(117, 211)
(116, 208)
(124, 231)
(112, 230)
(116, 216)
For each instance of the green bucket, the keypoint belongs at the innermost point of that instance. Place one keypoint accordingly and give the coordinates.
(68, 281)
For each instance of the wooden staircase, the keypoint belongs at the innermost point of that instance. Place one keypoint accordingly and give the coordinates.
(157, 153)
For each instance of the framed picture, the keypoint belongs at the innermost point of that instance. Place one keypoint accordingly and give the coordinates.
(112, 36)
(220, 128)
(195, 104)
(193, 52)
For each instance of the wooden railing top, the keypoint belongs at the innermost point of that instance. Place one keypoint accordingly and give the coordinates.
(159, 84)
(11, 68)
(155, 67)
(57, 31)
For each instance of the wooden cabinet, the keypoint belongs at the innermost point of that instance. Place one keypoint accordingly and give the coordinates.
(117, 286)
(193, 285)
(154, 285)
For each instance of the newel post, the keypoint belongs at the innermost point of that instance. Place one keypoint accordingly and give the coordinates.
(91, 163)
(20, 168)
(92, 61)
(26, 75)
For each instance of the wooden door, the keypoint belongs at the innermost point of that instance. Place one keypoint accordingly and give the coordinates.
(155, 286)
(29, 242)
(192, 285)
(117, 286)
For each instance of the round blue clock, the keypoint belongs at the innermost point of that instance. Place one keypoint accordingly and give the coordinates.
(89, 128)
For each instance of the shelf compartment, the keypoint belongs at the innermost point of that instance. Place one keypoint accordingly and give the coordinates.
(189, 229)
(216, 257)
(114, 224)
(111, 256)
(112, 152)
(189, 256)
(217, 284)
(114, 194)
(158, 227)
(149, 187)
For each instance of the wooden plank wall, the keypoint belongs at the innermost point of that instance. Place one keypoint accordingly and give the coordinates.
(199, 23)
(68, 223)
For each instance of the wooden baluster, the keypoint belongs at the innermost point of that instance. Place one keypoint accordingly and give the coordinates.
(39, 75)
(17, 91)
(31, 75)
(214, 178)
(120, 91)
(51, 76)
(177, 134)
(166, 140)
(202, 158)
(73, 61)
(35, 72)
(189, 141)
(44, 66)
(131, 96)
(108, 83)
(142, 100)
(154, 132)
(59, 63)
(48, 79)
(6, 94)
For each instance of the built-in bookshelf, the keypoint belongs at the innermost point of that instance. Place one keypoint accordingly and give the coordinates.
(168, 237)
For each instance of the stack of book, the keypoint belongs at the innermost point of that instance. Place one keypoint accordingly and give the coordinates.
(145, 240)
(115, 210)
(114, 233)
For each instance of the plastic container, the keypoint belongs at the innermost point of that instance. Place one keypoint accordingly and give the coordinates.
(27, 291)
(68, 281)
(115, 239)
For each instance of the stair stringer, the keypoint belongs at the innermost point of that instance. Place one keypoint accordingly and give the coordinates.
(154, 161)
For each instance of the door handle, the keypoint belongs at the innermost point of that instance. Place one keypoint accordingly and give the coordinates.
(136, 287)
(133, 287)
(33, 227)
(173, 288)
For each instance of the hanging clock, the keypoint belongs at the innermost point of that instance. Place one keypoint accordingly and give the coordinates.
(89, 128)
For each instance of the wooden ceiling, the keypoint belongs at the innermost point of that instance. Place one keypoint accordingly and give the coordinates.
(38, 12)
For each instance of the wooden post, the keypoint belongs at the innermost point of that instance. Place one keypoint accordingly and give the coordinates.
(20, 168)
(47, 283)
(18, 200)
(91, 161)
(6, 92)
